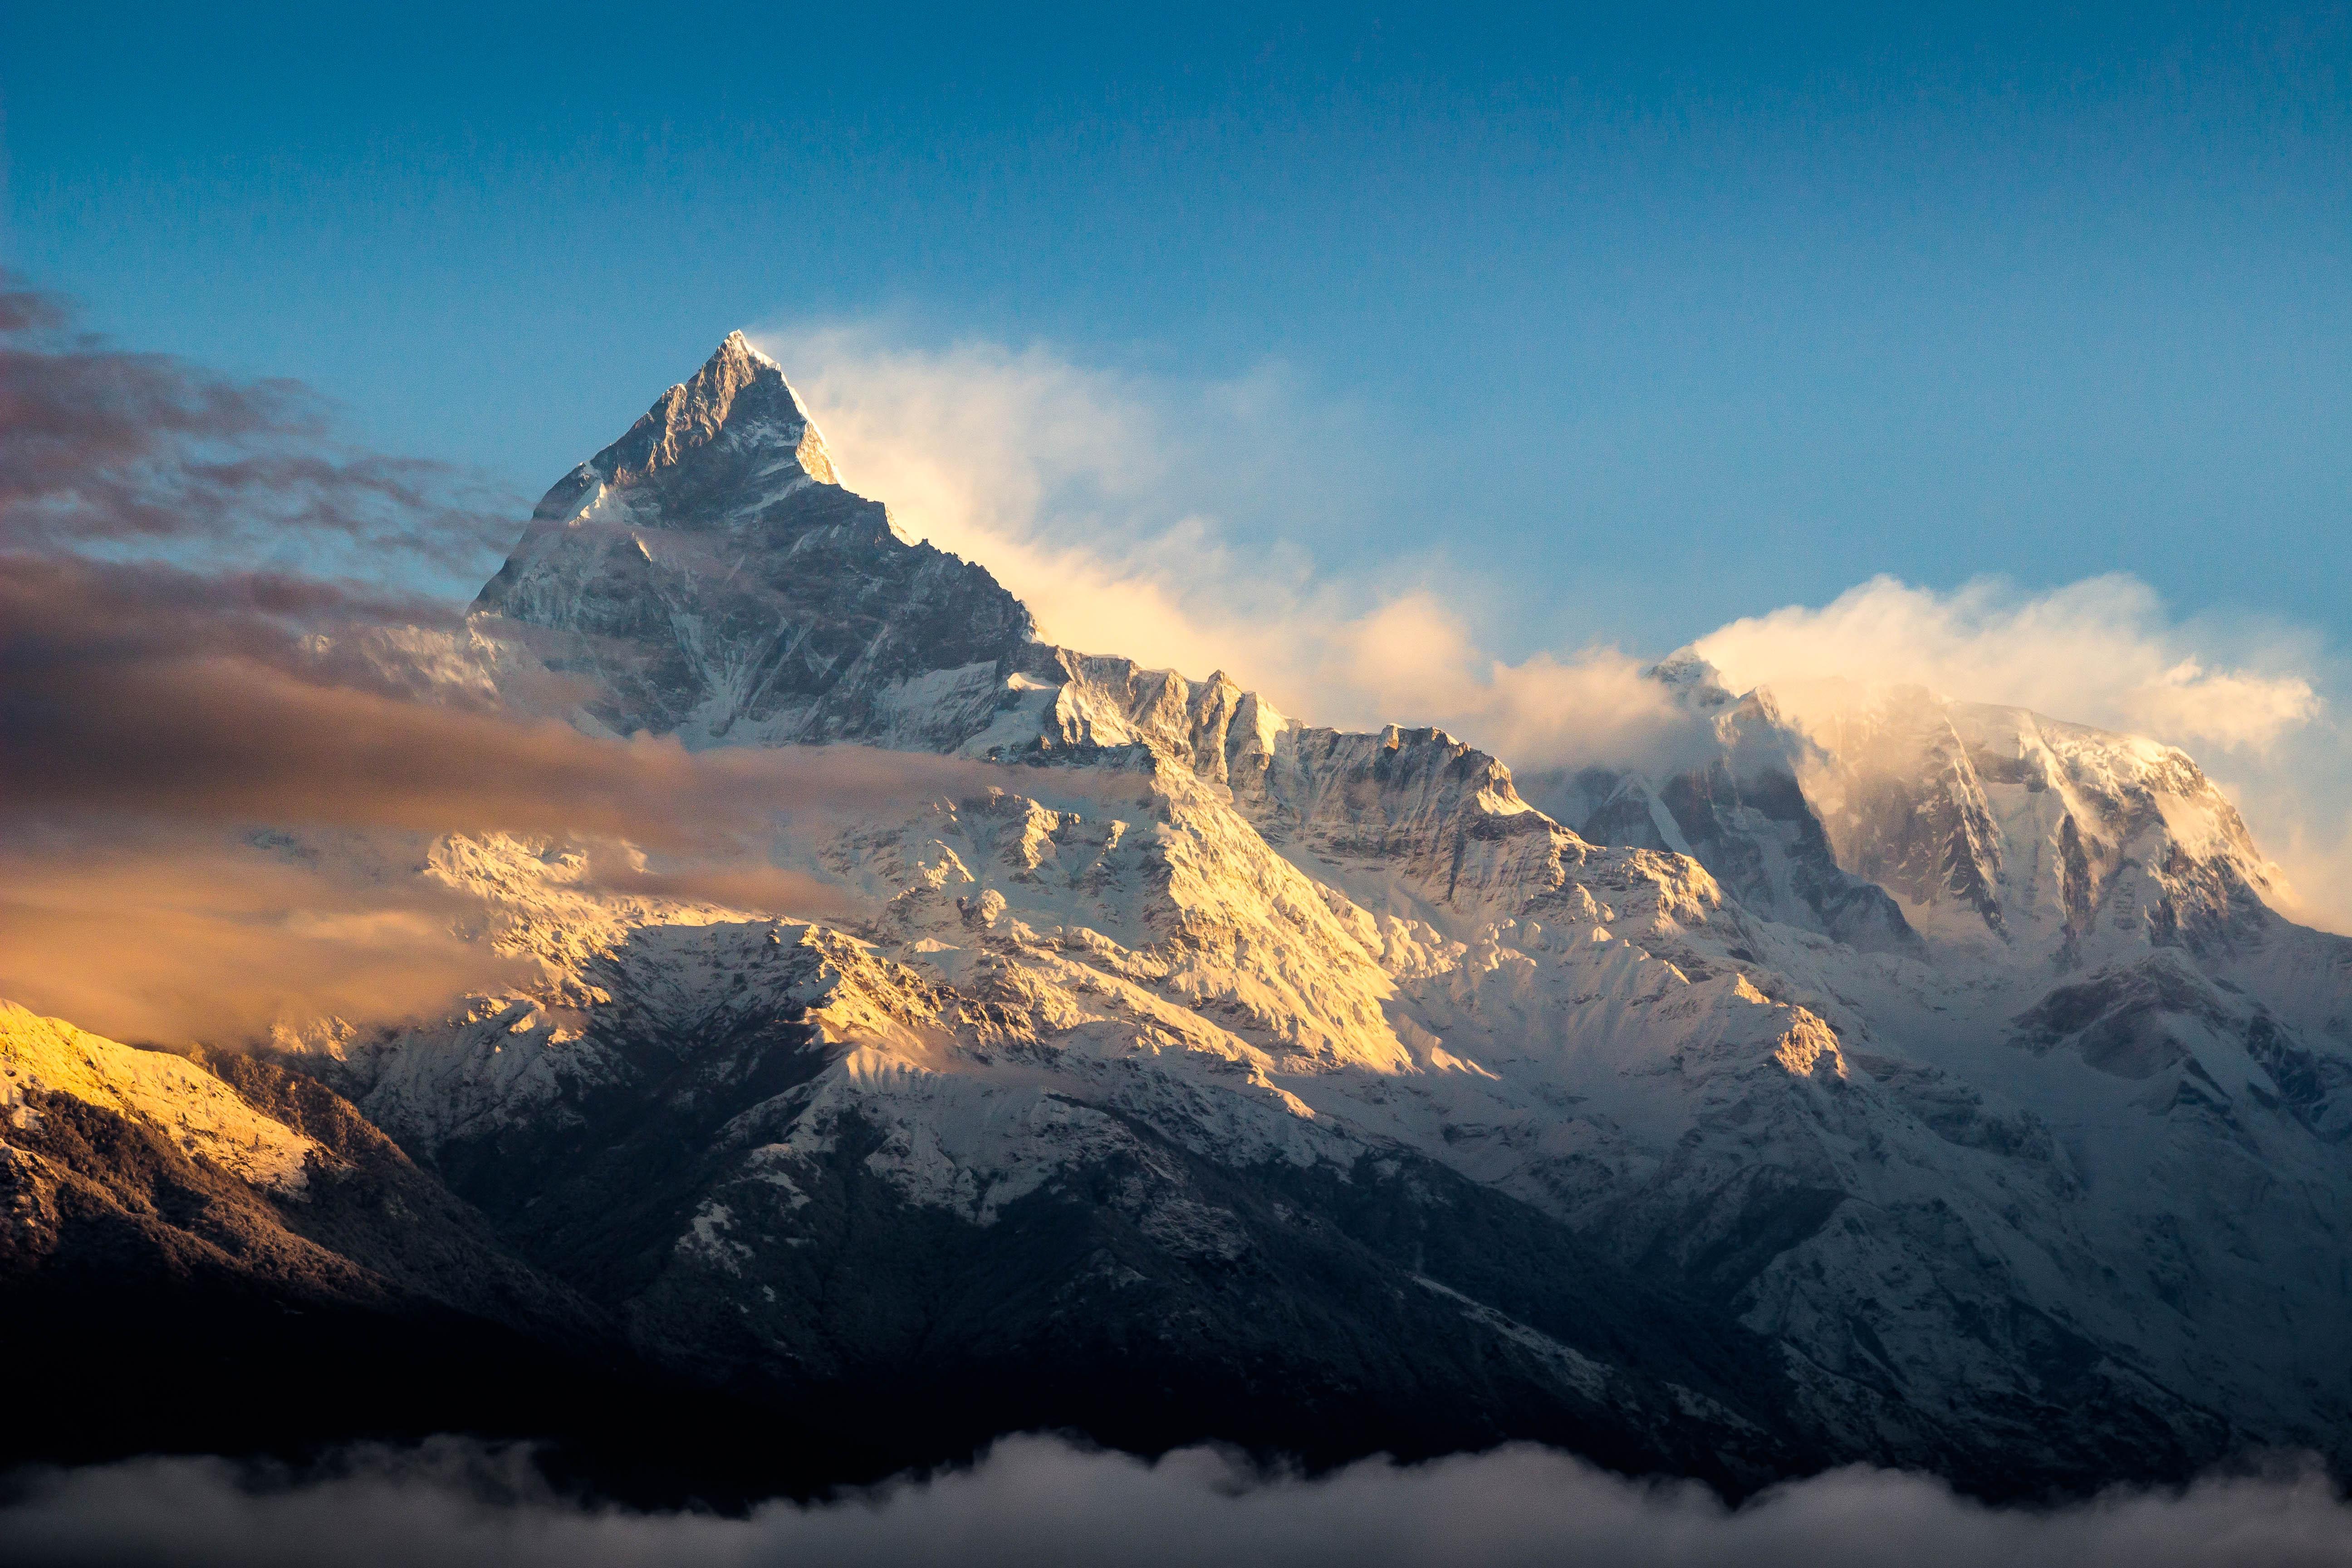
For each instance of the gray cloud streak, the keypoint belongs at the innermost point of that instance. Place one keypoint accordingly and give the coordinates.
(1038, 1503)
(143, 692)
(105, 449)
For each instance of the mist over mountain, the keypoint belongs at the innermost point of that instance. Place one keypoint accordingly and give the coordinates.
(1900, 1080)
(1034, 1500)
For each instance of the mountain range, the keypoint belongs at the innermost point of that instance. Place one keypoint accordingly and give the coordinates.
(1935, 1086)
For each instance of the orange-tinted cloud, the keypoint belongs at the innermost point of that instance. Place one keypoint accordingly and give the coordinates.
(169, 933)
(164, 936)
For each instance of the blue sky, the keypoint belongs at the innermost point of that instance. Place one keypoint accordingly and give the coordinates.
(1643, 319)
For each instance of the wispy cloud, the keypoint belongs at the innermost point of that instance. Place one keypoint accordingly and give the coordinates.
(1096, 498)
(1040, 1504)
(1079, 489)
(154, 717)
(160, 693)
(2102, 652)
(154, 934)
(116, 452)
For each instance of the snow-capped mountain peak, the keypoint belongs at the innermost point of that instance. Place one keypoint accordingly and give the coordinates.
(1948, 1061)
(708, 570)
(735, 430)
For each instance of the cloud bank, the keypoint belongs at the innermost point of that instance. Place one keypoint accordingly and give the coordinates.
(1035, 1502)
(1094, 497)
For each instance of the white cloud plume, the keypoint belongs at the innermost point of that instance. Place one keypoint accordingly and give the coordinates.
(1096, 498)
(1038, 1503)
(1152, 519)
(2100, 652)
(1079, 489)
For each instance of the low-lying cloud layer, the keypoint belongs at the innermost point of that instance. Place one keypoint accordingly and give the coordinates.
(1083, 491)
(1035, 1502)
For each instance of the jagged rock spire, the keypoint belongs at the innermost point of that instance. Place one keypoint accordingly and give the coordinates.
(737, 392)
(707, 573)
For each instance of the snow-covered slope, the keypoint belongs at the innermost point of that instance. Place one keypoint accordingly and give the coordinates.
(2094, 979)
(1744, 814)
(198, 1112)
(1938, 1088)
(123, 1169)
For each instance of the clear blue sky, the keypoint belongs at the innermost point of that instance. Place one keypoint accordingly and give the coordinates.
(1786, 294)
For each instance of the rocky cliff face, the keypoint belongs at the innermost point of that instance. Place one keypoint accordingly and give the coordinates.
(705, 576)
(1937, 1090)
